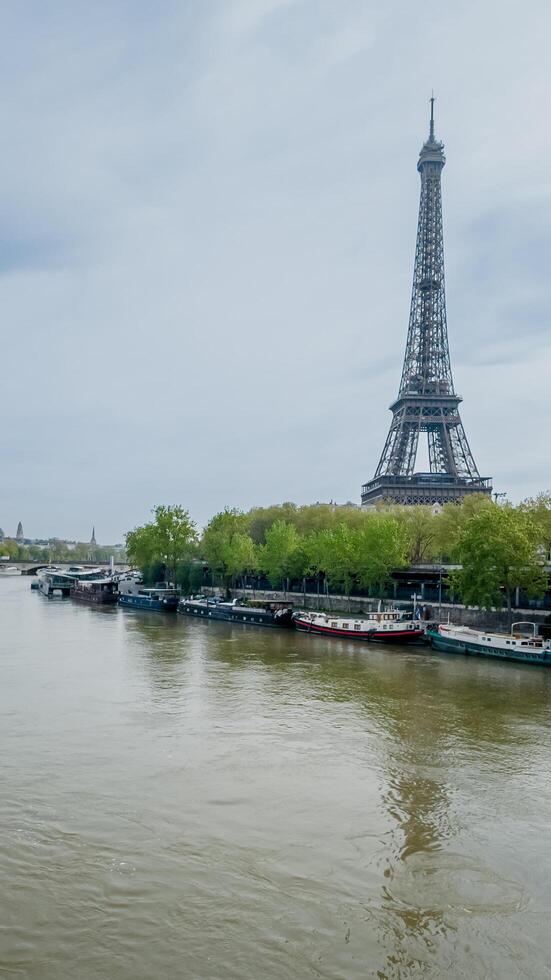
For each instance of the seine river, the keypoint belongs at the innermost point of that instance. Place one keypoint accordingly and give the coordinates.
(199, 800)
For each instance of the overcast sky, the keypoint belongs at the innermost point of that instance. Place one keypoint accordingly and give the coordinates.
(207, 224)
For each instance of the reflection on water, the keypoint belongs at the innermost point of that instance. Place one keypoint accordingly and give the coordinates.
(190, 799)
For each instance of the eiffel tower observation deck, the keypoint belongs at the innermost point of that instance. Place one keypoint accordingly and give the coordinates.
(426, 400)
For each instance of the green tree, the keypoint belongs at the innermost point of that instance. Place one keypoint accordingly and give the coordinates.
(340, 556)
(450, 523)
(539, 509)
(260, 519)
(498, 549)
(176, 534)
(241, 555)
(168, 539)
(38, 553)
(141, 546)
(10, 548)
(227, 546)
(383, 544)
(281, 555)
(316, 549)
(422, 529)
(190, 576)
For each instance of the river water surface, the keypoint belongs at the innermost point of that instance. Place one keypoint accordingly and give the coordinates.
(200, 800)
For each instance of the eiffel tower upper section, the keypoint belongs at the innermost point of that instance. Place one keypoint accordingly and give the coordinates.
(427, 401)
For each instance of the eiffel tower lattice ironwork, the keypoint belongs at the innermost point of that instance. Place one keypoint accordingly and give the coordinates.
(427, 401)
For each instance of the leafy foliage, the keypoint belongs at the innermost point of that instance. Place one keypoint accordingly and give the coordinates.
(168, 539)
(501, 548)
(227, 545)
(280, 555)
(383, 544)
(498, 549)
(539, 509)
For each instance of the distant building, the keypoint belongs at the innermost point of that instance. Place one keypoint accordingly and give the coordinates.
(2, 535)
(19, 534)
(93, 541)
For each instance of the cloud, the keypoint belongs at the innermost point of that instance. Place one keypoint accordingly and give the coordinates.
(207, 227)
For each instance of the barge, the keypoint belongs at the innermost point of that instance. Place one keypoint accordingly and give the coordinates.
(154, 600)
(518, 645)
(250, 612)
(380, 627)
(97, 593)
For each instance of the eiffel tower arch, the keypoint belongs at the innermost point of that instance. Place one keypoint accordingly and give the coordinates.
(427, 402)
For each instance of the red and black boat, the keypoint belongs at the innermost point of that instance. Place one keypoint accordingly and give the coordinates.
(382, 627)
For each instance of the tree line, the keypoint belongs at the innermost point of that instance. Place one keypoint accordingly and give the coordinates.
(499, 547)
(55, 550)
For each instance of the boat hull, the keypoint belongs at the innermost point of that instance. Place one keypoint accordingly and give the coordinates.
(241, 615)
(370, 636)
(95, 598)
(166, 604)
(467, 647)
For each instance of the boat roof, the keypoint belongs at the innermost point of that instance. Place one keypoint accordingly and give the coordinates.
(160, 591)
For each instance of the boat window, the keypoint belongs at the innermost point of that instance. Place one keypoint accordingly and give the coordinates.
(334, 625)
(357, 626)
(345, 626)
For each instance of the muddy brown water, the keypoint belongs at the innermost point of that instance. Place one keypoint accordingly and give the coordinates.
(200, 800)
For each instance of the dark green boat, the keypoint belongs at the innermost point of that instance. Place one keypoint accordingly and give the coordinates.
(517, 645)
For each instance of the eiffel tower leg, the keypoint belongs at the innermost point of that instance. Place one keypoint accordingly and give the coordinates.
(400, 450)
(441, 457)
(464, 461)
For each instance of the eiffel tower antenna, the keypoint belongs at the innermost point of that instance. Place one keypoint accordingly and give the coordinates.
(427, 401)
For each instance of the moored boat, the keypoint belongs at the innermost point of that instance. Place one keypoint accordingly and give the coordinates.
(97, 592)
(155, 600)
(55, 582)
(250, 612)
(518, 645)
(9, 570)
(381, 627)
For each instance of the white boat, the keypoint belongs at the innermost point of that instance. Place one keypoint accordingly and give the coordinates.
(383, 627)
(522, 644)
(9, 570)
(56, 582)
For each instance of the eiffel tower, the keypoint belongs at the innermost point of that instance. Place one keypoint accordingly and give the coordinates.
(427, 401)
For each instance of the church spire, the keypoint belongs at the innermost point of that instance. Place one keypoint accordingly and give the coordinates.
(93, 538)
